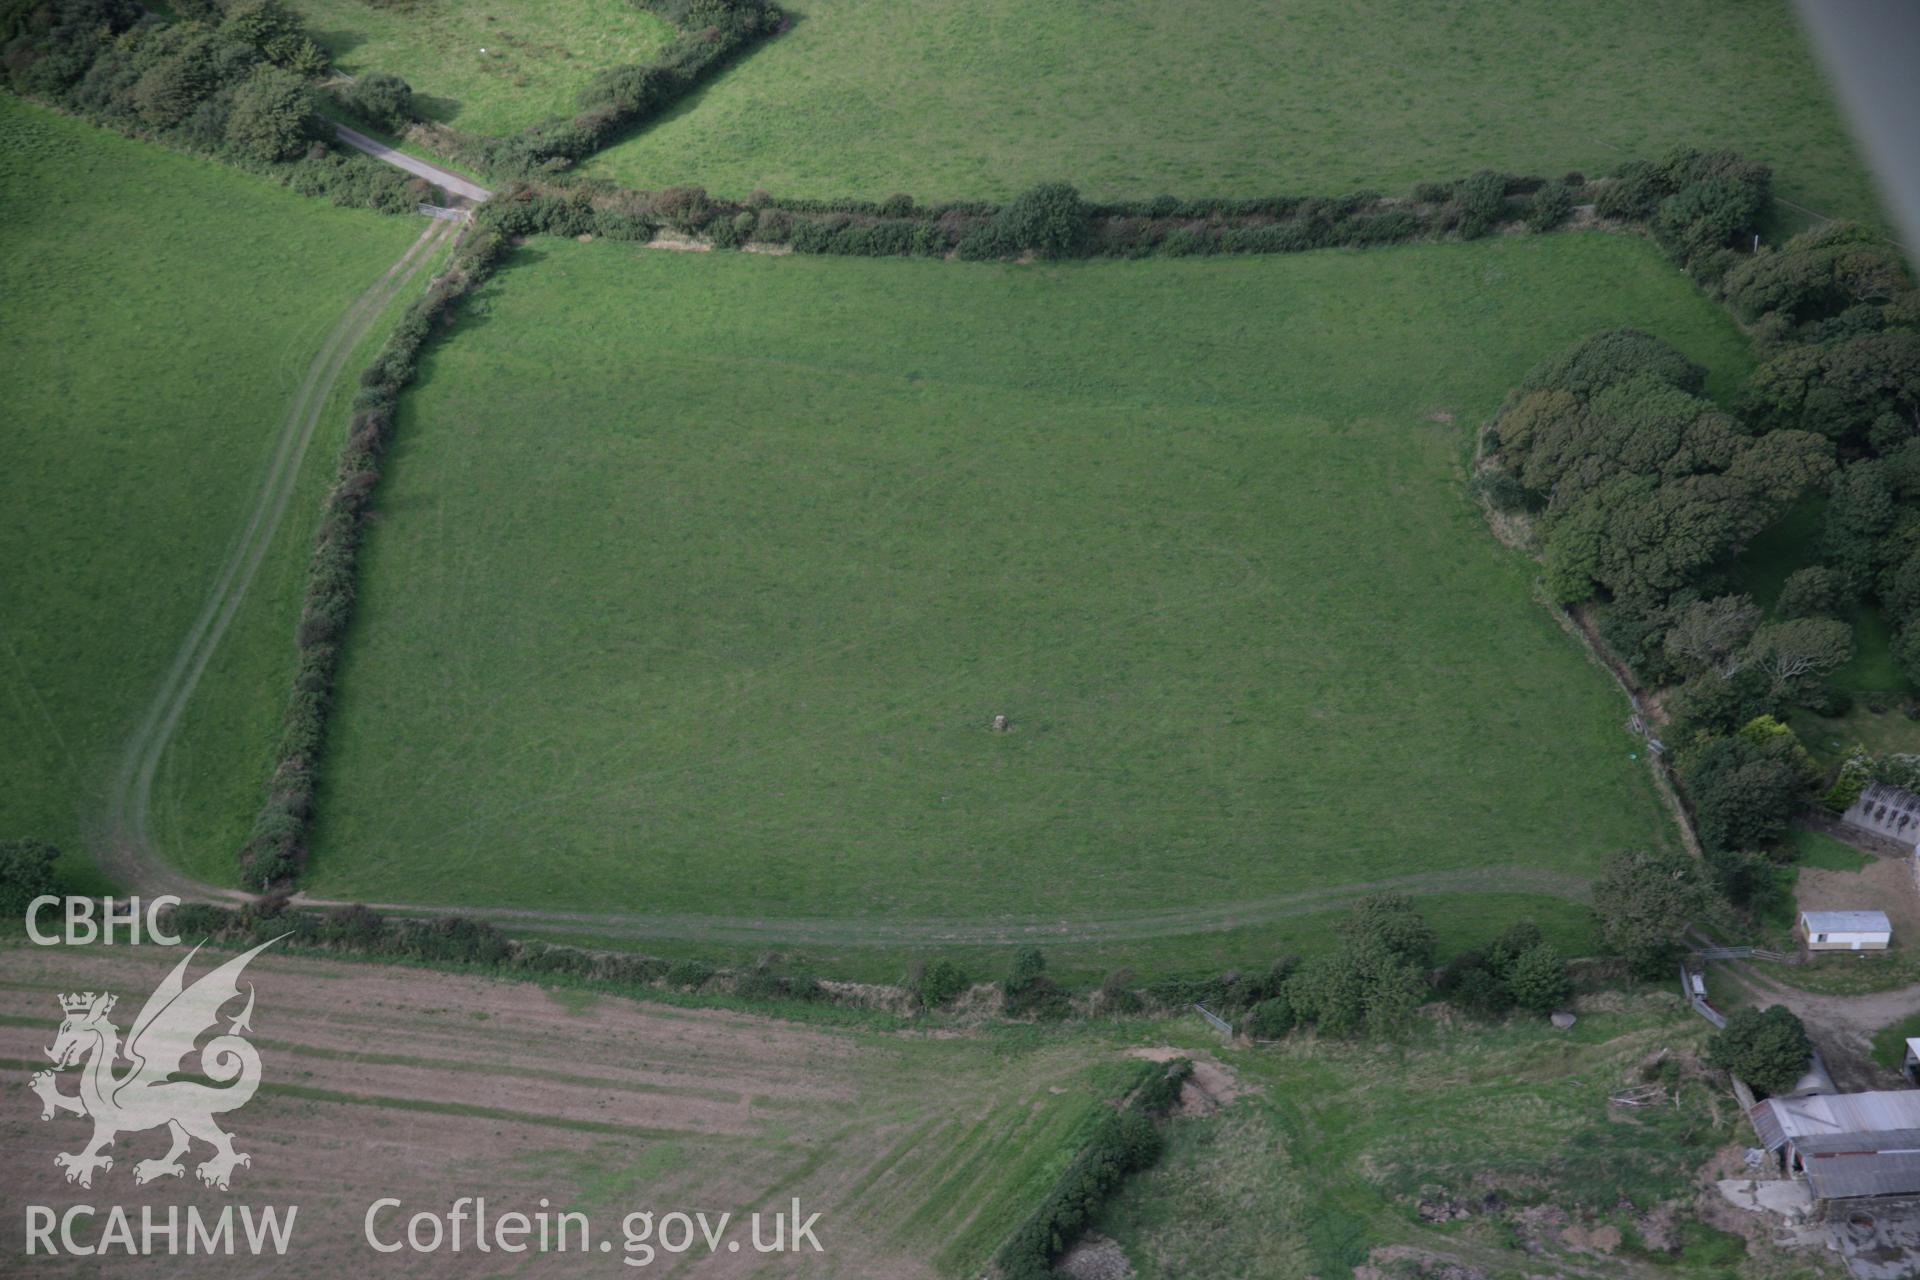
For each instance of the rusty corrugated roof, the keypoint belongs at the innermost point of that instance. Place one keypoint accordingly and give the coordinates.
(1846, 1165)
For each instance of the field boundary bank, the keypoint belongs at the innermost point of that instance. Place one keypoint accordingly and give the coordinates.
(1646, 713)
(128, 840)
(1647, 716)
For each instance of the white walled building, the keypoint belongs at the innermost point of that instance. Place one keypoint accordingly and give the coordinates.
(1845, 930)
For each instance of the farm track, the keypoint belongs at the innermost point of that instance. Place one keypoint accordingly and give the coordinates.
(126, 852)
(446, 179)
(1129, 927)
(151, 876)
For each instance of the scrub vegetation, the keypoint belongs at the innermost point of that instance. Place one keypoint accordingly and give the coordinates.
(1493, 1148)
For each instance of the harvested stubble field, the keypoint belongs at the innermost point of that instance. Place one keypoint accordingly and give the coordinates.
(699, 578)
(919, 1152)
(974, 99)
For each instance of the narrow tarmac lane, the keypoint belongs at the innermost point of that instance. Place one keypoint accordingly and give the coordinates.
(446, 179)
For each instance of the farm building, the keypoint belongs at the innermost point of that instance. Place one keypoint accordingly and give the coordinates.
(1845, 930)
(1849, 1149)
(1893, 812)
(1910, 1066)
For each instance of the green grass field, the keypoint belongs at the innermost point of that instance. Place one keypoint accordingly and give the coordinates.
(1813, 849)
(699, 578)
(958, 99)
(159, 312)
(486, 66)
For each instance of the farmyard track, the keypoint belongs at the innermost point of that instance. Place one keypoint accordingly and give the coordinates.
(125, 845)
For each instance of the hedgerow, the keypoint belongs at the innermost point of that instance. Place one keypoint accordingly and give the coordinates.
(1051, 220)
(709, 35)
(1124, 1142)
(466, 941)
(276, 847)
(1698, 204)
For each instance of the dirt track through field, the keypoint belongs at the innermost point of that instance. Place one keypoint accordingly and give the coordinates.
(383, 1081)
(126, 851)
(149, 876)
(1130, 927)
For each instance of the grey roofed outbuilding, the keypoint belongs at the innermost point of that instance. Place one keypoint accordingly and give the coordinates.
(1860, 1116)
(1848, 921)
(1845, 1165)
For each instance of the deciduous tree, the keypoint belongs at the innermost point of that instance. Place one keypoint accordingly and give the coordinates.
(1768, 1049)
(1643, 900)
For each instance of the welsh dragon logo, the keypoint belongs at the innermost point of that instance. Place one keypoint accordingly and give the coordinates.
(145, 1096)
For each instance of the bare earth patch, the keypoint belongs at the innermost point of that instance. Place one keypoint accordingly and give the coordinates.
(1884, 884)
(1210, 1087)
(1096, 1258)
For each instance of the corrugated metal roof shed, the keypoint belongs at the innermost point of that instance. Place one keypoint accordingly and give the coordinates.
(1890, 1141)
(1842, 1166)
(1847, 921)
(1844, 1178)
(1779, 1120)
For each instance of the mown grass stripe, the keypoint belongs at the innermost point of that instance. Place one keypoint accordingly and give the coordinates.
(497, 1069)
(312, 1093)
(446, 1064)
